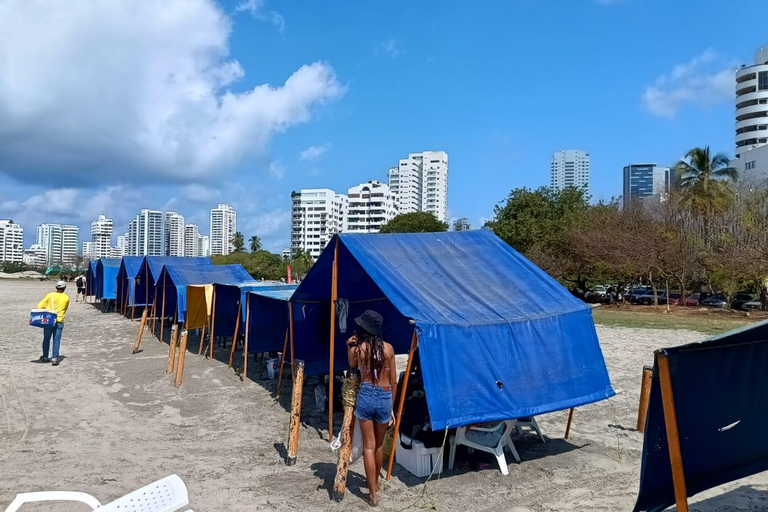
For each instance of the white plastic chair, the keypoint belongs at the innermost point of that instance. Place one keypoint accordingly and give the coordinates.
(166, 495)
(530, 424)
(504, 441)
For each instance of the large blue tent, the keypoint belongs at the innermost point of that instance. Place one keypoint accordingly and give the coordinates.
(230, 297)
(266, 310)
(149, 272)
(126, 280)
(498, 337)
(173, 280)
(106, 278)
(90, 278)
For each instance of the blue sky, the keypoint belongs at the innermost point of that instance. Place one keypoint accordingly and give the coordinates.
(119, 108)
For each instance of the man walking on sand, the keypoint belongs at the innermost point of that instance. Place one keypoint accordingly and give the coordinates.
(80, 283)
(58, 302)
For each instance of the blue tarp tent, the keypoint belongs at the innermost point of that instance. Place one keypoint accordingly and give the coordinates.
(146, 279)
(106, 278)
(498, 337)
(174, 279)
(90, 278)
(721, 411)
(126, 281)
(267, 314)
(228, 297)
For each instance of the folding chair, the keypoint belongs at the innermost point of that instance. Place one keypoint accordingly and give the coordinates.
(490, 443)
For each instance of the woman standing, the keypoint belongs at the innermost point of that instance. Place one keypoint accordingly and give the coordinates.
(378, 374)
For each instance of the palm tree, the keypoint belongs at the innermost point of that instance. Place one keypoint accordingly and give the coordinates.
(704, 181)
(255, 243)
(239, 242)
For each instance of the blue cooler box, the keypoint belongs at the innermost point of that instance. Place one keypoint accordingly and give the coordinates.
(42, 318)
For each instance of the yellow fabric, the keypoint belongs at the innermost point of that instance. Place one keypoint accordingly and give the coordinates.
(60, 304)
(199, 303)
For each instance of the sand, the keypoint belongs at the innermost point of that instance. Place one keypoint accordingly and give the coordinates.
(107, 422)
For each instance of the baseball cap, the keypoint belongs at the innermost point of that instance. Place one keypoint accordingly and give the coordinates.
(61, 285)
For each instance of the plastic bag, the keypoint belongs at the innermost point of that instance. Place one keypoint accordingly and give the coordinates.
(357, 444)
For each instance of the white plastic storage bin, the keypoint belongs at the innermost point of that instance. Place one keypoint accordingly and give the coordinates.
(419, 460)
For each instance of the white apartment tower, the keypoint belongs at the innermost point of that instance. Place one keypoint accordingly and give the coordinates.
(371, 205)
(420, 184)
(223, 229)
(191, 240)
(70, 238)
(59, 241)
(316, 215)
(11, 241)
(88, 252)
(145, 234)
(752, 104)
(122, 244)
(34, 256)
(570, 168)
(101, 237)
(174, 234)
(203, 246)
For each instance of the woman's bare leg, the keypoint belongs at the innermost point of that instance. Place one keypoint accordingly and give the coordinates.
(380, 430)
(369, 458)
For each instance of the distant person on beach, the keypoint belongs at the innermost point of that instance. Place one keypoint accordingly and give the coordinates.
(378, 375)
(57, 301)
(80, 282)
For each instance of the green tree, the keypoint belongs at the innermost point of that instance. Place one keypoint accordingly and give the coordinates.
(301, 262)
(417, 222)
(239, 242)
(259, 264)
(255, 243)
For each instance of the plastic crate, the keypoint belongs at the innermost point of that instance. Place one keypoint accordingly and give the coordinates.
(419, 460)
(42, 318)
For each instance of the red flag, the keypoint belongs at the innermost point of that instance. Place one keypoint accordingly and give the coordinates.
(289, 274)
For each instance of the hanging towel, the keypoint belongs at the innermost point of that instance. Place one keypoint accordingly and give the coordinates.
(342, 310)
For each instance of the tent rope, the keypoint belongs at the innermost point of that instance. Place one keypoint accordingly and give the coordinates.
(429, 503)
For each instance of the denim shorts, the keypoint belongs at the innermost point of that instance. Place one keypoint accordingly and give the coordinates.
(373, 403)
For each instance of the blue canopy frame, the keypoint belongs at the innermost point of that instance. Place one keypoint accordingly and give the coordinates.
(152, 266)
(106, 278)
(126, 280)
(229, 297)
(267, 314)
(498, 338)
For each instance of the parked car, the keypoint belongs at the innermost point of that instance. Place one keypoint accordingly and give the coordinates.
(646, 299)
(675, 299)
(739, 300)
(693, 300)
(753, 305)
(599, 290)
(717, 300)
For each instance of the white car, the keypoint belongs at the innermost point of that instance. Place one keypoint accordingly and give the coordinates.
(600, 290)
(753, 305)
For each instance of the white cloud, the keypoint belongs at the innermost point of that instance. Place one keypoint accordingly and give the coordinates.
(256, 8)
(704, 80)
(389, 48)
(197, 193)
(276, 169)
(124, 91)
(313, 152)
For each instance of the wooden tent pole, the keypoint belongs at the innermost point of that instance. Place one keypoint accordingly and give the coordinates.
(645, 395)
(246, 329)
(290, 329)
(282, 364)
(351, 385)
(401, 402)
(141, 331)
(182, 357)
(293, 434)
(172, 349)
(568, 425)
(152, 314)
(133, 302)
(334, 296)
(234, 338)
(162, 314)
(213, 319)
(673, 436)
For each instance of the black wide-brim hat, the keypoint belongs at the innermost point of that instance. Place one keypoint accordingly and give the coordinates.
(371, 321)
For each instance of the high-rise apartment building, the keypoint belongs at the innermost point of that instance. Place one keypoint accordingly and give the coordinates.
(643, 181)
(370, 206)
(88, 252)
(60, 242)
(316, 215)
(174, 234)
(70, 239)
(420, 184)
(223, 228)
(34, 256)
(191, 240)
(145, 234)
(101, 237)
(11, 241)
(570, 168)
(461, 224)
(752, 104)
(204, 245)
(122, 244)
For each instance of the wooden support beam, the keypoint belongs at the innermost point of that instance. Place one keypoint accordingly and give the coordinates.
(331, 370)
(234, 338)
(182, 357)
(295, 425)
(172, 351)
(401, 402)
(673, 436)
(141, 331)
(213, 320)
(162, 315)
(246, 329)
(645, 395)
(282, 364)
(133, 302)
(568, 425)
(351, 386)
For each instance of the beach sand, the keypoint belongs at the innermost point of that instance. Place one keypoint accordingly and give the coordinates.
(107, 422)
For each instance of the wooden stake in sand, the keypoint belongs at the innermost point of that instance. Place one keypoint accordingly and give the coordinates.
(334, 296)
(213, 321)
(349, 397)
(401, 402)
(293, 434)
(162, 314)
(172, 351)
(152, 315)
(645, 395)
(673, 436)
(182, 358)
(234, 337)
(246, 328)
(141, 331)
(568, 425)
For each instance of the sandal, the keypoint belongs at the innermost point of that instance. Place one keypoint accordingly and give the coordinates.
(55, 362)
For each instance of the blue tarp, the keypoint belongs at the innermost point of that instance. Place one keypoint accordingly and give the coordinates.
(146, 279)
(90, 278)
(267, 310)
(106, 278)
(718, 387)
(126, 280)
(176, 278)
(230, 297)
(498, 337)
